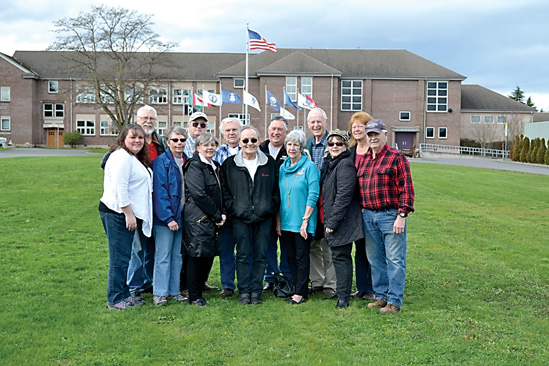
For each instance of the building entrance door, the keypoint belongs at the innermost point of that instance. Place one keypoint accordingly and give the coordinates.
(55, 137)
(404, 140)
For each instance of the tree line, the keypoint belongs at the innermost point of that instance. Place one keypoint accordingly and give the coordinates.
(526, 151)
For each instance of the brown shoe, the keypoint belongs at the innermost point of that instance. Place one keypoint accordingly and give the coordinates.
(389, 309)
(316, 289)
(185, 293)
(328, 291)
(377, 304)
(368, 296)
(227, 292)
(210, 288)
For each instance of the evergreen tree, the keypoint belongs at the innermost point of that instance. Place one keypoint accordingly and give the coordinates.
(529, 103)
(517, 95)
(547, 156)
(534, 146)
(524, 149)
(540, 157)
(515, 150)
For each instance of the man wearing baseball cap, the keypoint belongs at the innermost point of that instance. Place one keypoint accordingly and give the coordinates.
(386, 197)
(196, 126)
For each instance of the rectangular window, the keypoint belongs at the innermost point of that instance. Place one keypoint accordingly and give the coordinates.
(430, 132)
(291, 88)
(5, 94)
(134, 95)
(245, 118)
(239, 83)
(54, 110)
(475, 119)
(437, 96)
(307, 86)
(53, 86)
(108, 128)
(158, 96)
(488, 119)
(502, 119)
(404, 116)
(106, 96)
(351, 95)
(442, 132)
(180, 96)
(86, 128)
(85, 95)
(5, 125)
(161, 127)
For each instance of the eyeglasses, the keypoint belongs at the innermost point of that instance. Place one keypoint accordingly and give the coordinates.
(202, 124)
(252, 140)
(178, 140)
(338, 144)
(148, 118)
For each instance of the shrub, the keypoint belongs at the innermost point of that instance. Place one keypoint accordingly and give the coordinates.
(515, 150)
(73, 138)
(534, 146)
(540, 155)
(524, 149)
(546, 156)
(469, 143)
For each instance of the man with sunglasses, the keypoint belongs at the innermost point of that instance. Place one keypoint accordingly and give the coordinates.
(251, 196)
(196, 126)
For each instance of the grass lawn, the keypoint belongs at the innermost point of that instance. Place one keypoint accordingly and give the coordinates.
(476, 293)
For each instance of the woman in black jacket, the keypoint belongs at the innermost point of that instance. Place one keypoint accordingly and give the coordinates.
(203, 215)
(340, 211)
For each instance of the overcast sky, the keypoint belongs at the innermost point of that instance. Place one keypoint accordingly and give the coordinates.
(498, 44)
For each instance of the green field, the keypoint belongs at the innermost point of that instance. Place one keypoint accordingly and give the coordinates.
(476, 293)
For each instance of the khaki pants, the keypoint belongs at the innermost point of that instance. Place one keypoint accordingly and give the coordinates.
(322, 271)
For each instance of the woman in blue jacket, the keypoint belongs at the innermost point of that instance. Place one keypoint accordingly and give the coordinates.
(168, 202)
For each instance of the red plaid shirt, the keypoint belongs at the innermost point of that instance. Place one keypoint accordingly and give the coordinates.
(385, 182)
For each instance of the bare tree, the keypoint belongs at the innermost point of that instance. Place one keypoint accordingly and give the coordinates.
(515, 126)
(115, 52)
(485, 134)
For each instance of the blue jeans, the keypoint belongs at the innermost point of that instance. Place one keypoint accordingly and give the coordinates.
(227, 265)
(167, 261)
(363, 272)
(120, 246)
(386, 253)
(140, 271)
(272, 258)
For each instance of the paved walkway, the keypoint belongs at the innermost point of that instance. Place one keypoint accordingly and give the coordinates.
(486, 164)
(33, 152)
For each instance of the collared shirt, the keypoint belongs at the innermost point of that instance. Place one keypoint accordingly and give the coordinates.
(318, 150)
(223, 152)
(385, 181)
(189, 146)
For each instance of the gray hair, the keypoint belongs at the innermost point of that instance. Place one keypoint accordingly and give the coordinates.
(296, 136)
(177, 130)
(146, 108)
(229, 120)
(205, 139)
(250, 127)
(281, 119)
(318, 110)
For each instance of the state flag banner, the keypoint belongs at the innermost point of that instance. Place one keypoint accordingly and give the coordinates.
(284, 113)
(259, 43)
(288, 101)
(211, 98)
(251, 100)
(228, 96)
(306, 102)
(198, 101)
(272, 101)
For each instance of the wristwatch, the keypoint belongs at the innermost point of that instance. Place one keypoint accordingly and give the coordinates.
(403, 214)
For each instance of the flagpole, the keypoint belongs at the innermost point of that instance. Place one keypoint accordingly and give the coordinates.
(284, 99)
(246, 86)
(220, 112)
(298, 111)
(265, 133)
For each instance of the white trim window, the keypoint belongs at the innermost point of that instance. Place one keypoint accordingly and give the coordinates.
(54, 110)
(158, 96)
(180, 96)
(351, 95)
(245, 118)
(106, 96)
(5, 123)
(307, 86)
(404, 116)
(85, 95)
(86, 128)
(475, 119)
(291, 87)
(5, 94)
(502, 119)
(161, 127)
(437, 96)
(239, 83)
(488, 119)
(442, 132)
(53, 87)
(134, 95)
(429, 132)
(108, 128)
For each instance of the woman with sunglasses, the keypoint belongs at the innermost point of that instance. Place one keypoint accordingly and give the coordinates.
(340, 211)
(168, 201)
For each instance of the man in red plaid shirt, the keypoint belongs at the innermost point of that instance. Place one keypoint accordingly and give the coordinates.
(386, 197)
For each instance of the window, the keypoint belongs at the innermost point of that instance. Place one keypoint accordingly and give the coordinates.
(135, 95)
(86, 128)
(437, 96)
(488, 119)
(307, 86)
(108, 128)
(239, 83)
(502, 119)
(442, 132)
(291, 88)
(430, 132)
(161, 127)
(245, 118)
(158, 96)
(5, 125)
(475, 119)
(404, 116)
(351, 95)
(86, 95)
(180, 96)
(5, 94)
(54, 110)
(299, 128)
(53, 86)
(106, 96)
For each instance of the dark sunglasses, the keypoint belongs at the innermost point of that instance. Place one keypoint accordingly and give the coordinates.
(252, 140)
(339, 144)
(202, 125)
(179, 140)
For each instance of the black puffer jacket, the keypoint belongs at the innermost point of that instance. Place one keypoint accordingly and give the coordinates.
(203, 208)
(340, 204)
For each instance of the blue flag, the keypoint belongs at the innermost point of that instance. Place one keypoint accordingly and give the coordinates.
(230, 97)
(272, 101)
(289, 102)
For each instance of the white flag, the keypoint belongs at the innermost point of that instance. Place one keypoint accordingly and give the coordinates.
(211, 98)
(284, 113)
(250, 100)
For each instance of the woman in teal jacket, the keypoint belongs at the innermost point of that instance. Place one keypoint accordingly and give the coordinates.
(299, 190)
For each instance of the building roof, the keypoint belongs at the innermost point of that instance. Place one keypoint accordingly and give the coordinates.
(298, 63)
(26, 72)
(478, 98)
(540, 117)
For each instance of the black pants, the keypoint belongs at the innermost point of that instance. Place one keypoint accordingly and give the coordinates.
(198, 269)
(343, 265)
(297, 250)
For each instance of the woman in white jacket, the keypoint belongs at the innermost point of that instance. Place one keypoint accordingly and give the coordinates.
(126, 206)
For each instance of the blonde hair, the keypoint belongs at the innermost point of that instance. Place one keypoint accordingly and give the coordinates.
(361, 117)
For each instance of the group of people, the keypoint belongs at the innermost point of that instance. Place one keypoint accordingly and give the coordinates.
(170, 206)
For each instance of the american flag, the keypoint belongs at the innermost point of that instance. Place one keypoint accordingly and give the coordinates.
(259, 43)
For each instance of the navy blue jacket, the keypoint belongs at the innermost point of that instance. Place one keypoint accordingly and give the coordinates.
(167, 190)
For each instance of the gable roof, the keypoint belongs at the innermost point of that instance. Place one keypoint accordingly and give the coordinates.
(478, 98)
(298, 63)
(26, 72)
